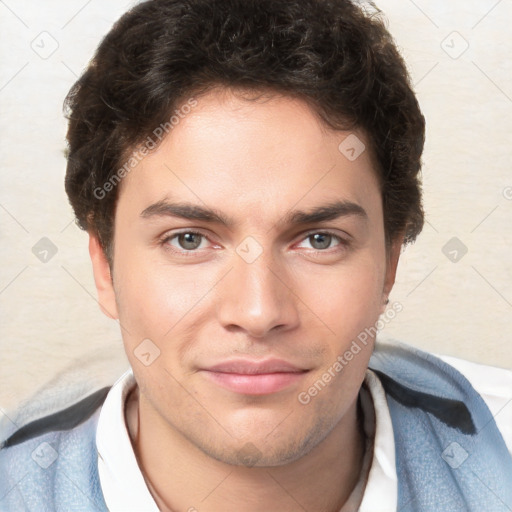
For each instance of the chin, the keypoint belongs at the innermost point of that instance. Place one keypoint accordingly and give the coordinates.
(276, 448)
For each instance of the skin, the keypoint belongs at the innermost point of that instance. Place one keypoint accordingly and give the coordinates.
(254, 162)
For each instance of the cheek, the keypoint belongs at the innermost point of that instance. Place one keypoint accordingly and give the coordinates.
(366, 296)
(345, 299)
(153, 296)
(350, 308)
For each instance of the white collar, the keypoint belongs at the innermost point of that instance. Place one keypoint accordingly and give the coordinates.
(122, 483)
(124, 488)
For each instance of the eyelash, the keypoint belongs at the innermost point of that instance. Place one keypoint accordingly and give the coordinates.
(164, 242)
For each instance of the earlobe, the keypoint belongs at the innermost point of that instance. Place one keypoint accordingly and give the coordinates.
(102, 278)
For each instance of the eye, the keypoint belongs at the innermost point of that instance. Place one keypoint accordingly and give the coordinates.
(192, 241)
(321, 241)
(187, 241)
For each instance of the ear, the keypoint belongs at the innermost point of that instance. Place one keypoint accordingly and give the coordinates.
(393, 255)
(102, 278)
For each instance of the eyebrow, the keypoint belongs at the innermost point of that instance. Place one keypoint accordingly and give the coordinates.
(322, 213)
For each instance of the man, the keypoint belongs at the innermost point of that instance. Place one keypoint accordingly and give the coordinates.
(247, 172)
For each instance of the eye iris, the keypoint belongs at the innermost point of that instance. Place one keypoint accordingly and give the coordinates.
(189, 241)
(320, 241)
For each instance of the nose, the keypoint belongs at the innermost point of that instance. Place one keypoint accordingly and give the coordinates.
(254, 298)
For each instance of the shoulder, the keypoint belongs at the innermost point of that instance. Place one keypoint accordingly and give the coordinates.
(53, 457)
(63, 420)
(422, 383)
(494, 385)
(447, 439)
(426, 375)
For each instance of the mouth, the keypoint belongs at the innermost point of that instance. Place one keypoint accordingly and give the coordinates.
(252, 377)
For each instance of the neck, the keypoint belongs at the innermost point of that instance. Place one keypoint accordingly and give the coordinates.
(183, 478)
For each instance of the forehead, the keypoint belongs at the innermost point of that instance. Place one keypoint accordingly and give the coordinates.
(243, 153)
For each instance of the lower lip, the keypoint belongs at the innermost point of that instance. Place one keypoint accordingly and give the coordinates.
(260, 384)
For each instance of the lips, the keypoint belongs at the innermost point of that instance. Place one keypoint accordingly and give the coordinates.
(248, 367)
(252, 377)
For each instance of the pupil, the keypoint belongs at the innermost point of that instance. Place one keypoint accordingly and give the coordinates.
(189, 240)
(320, 241)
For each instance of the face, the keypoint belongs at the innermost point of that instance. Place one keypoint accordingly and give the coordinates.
(249, 255)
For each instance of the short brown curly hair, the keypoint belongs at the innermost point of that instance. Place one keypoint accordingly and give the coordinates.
(335, 54)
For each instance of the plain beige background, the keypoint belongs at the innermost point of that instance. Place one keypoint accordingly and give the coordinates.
(454, 302)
